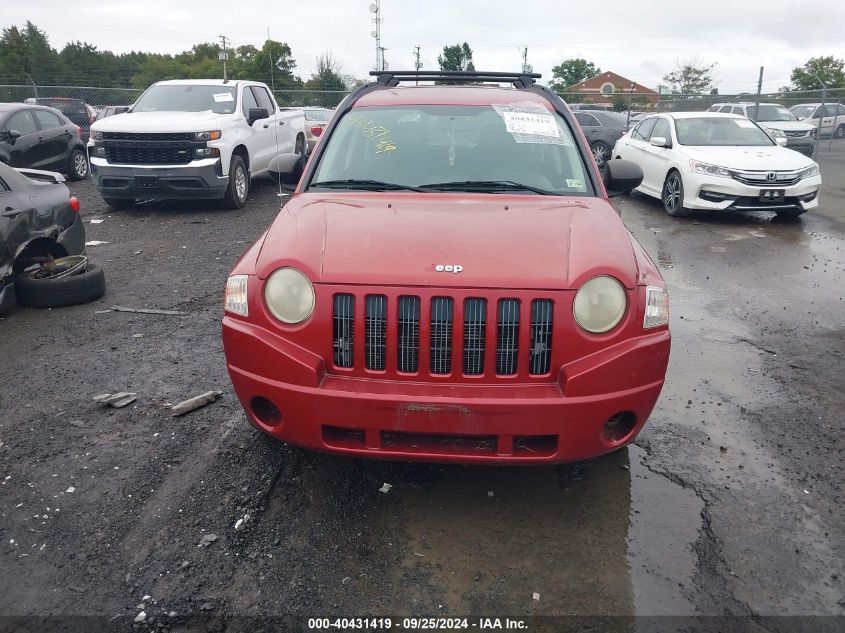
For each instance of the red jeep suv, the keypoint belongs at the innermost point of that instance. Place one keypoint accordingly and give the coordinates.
(449, 282)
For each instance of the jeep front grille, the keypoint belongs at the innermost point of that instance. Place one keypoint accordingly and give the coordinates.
(376, 331)
(439, 336)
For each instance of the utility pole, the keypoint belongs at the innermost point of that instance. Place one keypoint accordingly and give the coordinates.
(375, 8)
(272, 63)
(224, 56)
(417, 62)
(759, 89)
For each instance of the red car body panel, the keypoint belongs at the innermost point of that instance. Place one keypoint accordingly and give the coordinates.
(520, 247)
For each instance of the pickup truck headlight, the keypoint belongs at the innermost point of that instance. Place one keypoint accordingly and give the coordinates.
(96, 135)
(656, 307)
(811, 171)
(289, 295)
(599, 304)
(236, 295)
(708, 169)
(213, 135)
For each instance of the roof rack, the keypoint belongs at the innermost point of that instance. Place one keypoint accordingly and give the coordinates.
(393, 77)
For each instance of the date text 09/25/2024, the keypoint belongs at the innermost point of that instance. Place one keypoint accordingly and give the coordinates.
(416, 624)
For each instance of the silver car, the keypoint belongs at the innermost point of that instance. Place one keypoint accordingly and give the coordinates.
(778, 122)
(832, 116)
(316, 120)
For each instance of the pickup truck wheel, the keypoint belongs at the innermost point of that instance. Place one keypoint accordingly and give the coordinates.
(238, 189)
(119, 203)
(300, 148)
(56, 292)
(77, 165)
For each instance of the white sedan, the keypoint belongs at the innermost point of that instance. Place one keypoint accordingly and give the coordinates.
(714, 162)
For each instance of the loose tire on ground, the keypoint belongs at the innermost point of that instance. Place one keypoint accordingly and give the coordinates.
(238, 189)
(119, 203)
(62, 291)
(78, 167)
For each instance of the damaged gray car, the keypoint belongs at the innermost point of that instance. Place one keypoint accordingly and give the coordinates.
(43, 263)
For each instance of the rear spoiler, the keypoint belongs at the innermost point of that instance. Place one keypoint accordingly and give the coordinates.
(40, 175)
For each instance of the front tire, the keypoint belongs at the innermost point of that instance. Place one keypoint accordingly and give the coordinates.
(238, 190)
(78, 167)
(840, 132)
(673, 195)
(601, 152)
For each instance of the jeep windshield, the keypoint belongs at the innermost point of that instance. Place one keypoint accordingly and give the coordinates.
(481, 149)
(187, 98)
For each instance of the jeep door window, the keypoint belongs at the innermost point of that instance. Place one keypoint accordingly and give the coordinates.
(187, 98)
(454, 148)
(718, 132)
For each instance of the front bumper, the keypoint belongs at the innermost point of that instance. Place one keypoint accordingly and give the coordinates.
(562, 420)
(742, 197)
(197, 179)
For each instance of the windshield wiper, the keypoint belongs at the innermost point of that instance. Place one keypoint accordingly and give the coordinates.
(485, 186)
(364, 185)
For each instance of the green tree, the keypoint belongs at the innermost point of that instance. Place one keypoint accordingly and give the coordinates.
(25, 52)
(690, 77)
(457, 57)
(327, 77)
(572, 71)
(830, 70)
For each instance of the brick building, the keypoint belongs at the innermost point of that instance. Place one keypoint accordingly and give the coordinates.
(600, 89)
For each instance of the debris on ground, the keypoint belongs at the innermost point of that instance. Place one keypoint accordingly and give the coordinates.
(490, 494)
(95, 243)
(186, 406)
(138, 252)
(141, 617)
(207, 540)
(70, 489)
(385, 488)
(536, 596)
(240, 523)
(116, 400)
(97, 221)
(147, 311)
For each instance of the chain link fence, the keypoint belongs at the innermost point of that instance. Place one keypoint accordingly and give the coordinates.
(831, 141)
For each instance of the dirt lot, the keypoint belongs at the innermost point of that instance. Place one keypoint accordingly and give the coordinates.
(731, 502)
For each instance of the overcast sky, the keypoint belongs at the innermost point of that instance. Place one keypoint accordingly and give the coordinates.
(640, 40)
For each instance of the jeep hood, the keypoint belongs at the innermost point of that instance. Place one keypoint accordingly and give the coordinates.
(161, 122)
(499, 241)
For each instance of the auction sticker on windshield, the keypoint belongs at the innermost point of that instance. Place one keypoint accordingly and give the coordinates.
(530, 125)
(221, 97)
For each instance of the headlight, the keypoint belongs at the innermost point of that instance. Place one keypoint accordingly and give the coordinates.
(656, 307)
(776, 133)
(289, 295)
(708, 169)
(811, 171)
(236, 295)
(599, 304)
(206, 152)
(207, 136)
(96, 135)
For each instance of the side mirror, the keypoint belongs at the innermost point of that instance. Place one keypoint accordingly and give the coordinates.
(285, 163)
(621, 175)
(781, 140)
(660, 141)
(13, 135)
(121, 109)
(256, 114)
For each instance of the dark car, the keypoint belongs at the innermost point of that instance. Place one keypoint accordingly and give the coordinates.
(42, 259)
(602, 130)
(76, 110)
(38, 137)
(108, 111)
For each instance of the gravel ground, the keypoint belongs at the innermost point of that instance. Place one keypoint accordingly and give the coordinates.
(730, 503)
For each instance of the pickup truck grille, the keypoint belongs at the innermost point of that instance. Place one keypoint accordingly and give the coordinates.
(409, 328)
(129, 148)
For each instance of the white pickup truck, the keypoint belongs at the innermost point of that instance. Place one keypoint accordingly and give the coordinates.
(193, 138)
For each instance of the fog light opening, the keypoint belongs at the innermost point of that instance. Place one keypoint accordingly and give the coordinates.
(266, 412)
(619, 426)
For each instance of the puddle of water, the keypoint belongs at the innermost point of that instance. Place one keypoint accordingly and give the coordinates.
(606, 537)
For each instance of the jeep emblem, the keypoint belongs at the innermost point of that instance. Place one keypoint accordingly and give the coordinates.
(448, 268)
